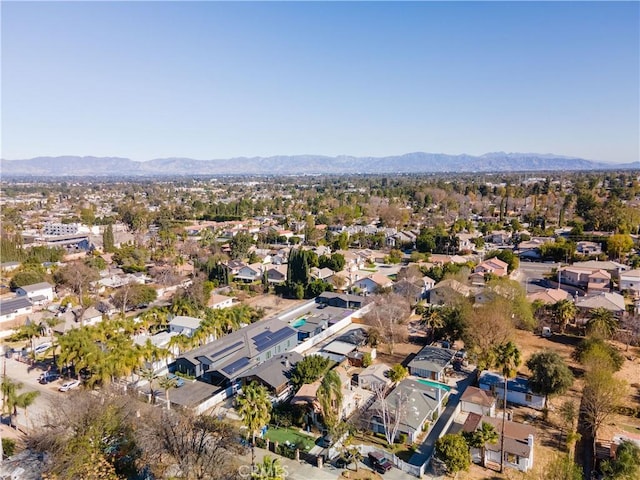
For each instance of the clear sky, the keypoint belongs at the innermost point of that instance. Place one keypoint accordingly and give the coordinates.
(213, 80)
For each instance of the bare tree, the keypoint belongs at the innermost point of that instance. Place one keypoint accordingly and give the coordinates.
(600, 398)
(389, 410)
(388, 314)
(199, 447)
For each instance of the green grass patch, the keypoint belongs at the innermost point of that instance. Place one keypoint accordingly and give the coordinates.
(630, 428)
(282, 435)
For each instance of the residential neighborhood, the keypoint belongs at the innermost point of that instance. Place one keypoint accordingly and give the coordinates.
(329, 340)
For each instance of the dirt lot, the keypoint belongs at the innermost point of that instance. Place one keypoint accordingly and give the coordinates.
(271, 304)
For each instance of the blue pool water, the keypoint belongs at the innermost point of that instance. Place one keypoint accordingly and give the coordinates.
(439, 385)
(298, 323)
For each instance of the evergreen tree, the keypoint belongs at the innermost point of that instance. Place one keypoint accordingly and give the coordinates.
(108, 241)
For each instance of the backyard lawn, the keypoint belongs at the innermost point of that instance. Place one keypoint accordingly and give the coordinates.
(283, 435)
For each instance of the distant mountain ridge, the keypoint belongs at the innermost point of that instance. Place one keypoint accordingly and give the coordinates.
(417, 162)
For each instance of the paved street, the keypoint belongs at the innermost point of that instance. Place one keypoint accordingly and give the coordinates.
(28, 376)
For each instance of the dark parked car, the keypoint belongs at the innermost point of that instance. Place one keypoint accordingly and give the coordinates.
(379, 462)
(48, 377)
(325, 441)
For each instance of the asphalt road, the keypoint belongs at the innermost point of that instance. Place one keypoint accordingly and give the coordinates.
(28, 377)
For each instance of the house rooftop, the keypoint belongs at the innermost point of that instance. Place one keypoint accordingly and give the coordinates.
(36, 286)
(613, 302)
(517, 384)
(275, 371)
(478, 396)
(432, 359)
(14, 304)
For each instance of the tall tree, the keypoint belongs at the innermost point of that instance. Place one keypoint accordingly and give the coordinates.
(600, 398)
(329, 396)
(108, 240)
(626, 463)
(550, 374)
(454, 452)
(507, 359)
(479, 439)
(602, 323)
(564, 312)
(254, 407)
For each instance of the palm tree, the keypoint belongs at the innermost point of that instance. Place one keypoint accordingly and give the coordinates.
(9, 392)
(480, 438)
(565, 312)
(507, 359)
(167, 384)
(602, 323)
(269, 469)
(329, 396)
(254, 407)
(25, 400)
(150, 376)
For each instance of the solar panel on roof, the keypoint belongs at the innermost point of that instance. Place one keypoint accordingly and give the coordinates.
(235, 366)
(268, 339)
(225, 350)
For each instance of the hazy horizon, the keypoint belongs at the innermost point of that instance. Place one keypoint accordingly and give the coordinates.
(220, 80)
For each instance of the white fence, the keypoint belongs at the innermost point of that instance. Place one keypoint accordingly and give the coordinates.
(214, 400)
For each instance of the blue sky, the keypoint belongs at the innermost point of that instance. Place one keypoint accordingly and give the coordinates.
(222, 79)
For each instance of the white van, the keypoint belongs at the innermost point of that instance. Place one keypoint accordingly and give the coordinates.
(546, 332)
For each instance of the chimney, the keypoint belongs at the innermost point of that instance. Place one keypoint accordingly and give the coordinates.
(530, 441)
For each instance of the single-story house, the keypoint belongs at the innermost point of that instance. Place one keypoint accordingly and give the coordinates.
(476, 400)
(184, 325)
(425, 403)
(376, 374)
(337, 350)
(518, 442)
(219, 301)
(15, 307)
(9, 266)
(442, 292)
(549, 296)
(518, 391)
(37, 292)
(614, 302)
(75, 318)
(372, 284)
(311, 327)
(431, 362)
(341, 300)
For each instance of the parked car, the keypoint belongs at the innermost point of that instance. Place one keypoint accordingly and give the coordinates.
(69, 385)
(48, 377)
(379, 462)
(325, 441)
(179, 381)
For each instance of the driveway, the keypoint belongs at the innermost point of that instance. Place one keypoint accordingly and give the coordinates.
(425, 451)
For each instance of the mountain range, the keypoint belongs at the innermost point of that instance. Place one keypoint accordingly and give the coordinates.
(418, 162)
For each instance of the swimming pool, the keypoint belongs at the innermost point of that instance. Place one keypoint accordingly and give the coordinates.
(298, 323)
(439, 385)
